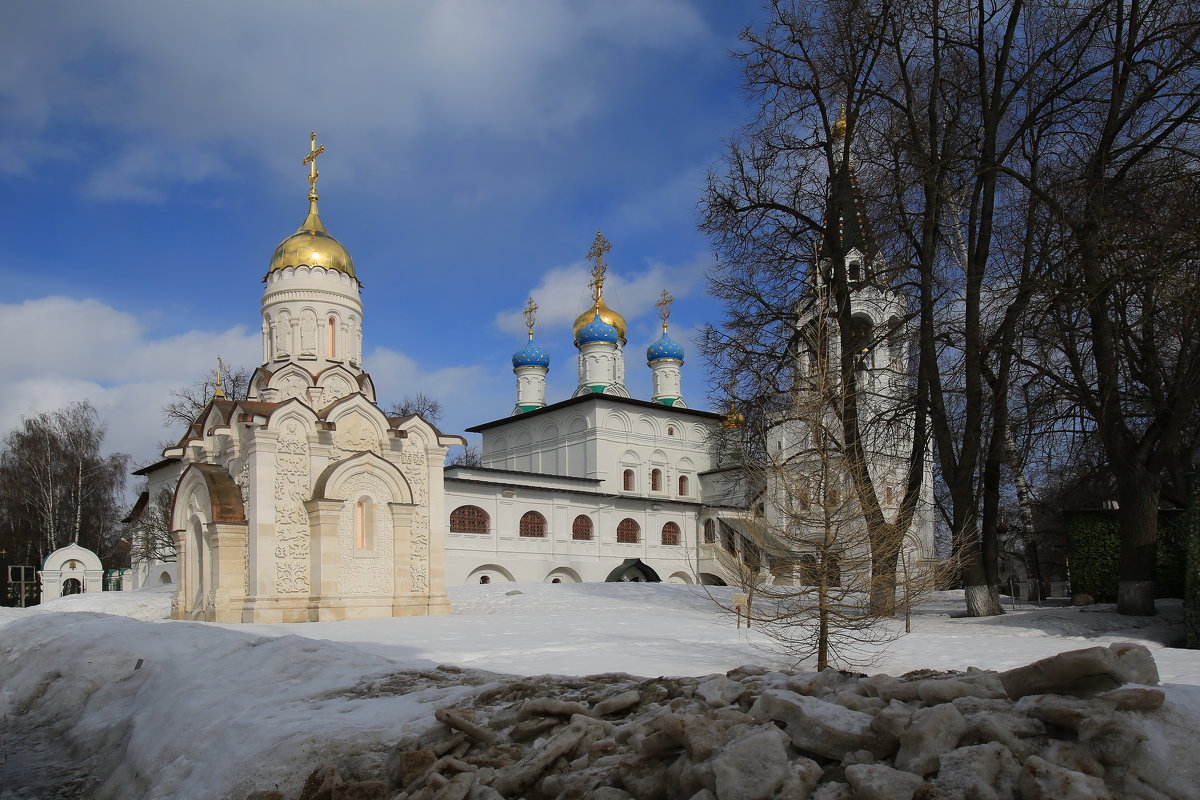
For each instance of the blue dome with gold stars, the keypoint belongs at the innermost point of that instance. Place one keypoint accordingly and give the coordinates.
(664, 349)
(597, 331)
(531, 356)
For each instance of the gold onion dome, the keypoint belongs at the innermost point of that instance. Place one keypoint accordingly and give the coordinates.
(606, 314)
(311, 245)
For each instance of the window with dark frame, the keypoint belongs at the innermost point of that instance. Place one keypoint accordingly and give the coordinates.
(532, 525)
(469, 519)
(581, 528)
(683, 485)
(627, 480)
(628, 531)
(670, 534)
(656, 480)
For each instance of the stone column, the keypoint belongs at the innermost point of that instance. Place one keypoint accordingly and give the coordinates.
(405, 602)
(228, 570)
(182, 583)
(323, 517)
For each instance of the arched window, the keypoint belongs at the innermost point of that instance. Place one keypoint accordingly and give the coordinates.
(469, 519)
(581, 528)
(656, 480)
(627, 480)
(628, 532)
(533, 524)
(332, 337)
(670, 430)
(485, 578)
(670, 534)
(683, 485)
(710, 531)
(364, 524)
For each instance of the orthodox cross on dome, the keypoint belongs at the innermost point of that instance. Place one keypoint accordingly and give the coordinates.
(530, 314)
(664, 307)
(219, 393)
(310, 161)
(600, 247)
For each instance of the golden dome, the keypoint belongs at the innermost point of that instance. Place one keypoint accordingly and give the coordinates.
(312, 246)
(606, 314)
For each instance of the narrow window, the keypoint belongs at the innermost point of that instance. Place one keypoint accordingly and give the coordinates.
(581, 528)
(364, 524)
(683, 485)
(469, 519)
(670, 534)
(628, 532)
(710, 531)
(533, 525)
(670, 431)
(656, 480)
(332, 337)
(627, 480)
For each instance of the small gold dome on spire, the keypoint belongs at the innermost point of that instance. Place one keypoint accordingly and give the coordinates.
(311, 245)
(839, 127)
(600, 246)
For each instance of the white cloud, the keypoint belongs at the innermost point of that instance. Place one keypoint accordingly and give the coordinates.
(562, 294)
(202, 85)
(74, 349)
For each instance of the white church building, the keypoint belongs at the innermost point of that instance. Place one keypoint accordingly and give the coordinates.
(306, 502)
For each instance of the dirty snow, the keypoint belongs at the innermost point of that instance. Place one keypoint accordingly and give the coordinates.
(101, 697)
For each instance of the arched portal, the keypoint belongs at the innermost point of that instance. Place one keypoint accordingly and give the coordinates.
(633, 570)
(72, 586)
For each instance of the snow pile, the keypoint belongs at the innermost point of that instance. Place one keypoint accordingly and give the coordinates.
(754, 735)
(94, 705)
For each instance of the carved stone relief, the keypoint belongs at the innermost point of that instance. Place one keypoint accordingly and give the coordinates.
(337, 387)
(292, 386)
(355, 435)
(291, 520)
(413, 466)
(359, 573)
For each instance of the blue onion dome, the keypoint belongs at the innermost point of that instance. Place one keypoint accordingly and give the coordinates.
(597, 331)
(531, 356)
(664, 349)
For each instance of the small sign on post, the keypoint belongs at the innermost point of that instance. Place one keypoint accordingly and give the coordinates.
(741, 602)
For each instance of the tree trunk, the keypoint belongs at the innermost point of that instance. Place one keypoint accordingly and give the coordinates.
(1138, 515)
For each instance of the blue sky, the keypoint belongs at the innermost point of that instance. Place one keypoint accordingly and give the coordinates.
(150, 162)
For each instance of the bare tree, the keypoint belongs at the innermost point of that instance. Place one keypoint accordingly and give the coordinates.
(57, 487)
(469, 456)
(188, 401)
(421, 404)
(149, 533)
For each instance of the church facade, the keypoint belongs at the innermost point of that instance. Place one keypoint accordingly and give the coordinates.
(305, 502)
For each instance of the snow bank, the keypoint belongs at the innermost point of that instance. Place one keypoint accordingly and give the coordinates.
(215, 711)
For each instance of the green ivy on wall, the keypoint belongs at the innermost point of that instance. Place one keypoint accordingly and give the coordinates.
(1095, 558)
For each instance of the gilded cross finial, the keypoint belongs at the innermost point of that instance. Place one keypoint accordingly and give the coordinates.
(310, 161)
(219, 393)
(600, 247)
(839, 127)
(530, 313)
(664, 307)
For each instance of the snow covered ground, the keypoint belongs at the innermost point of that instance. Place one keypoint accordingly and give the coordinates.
(113, 701)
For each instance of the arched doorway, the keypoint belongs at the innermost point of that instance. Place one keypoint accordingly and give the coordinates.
(72, 586)
(633, 570)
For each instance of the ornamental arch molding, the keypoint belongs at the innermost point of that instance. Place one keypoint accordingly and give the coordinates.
(332, 483)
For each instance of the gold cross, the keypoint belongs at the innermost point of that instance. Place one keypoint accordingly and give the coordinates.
(600, 246)
(530, 313)
(311, 161)
(664, 307)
